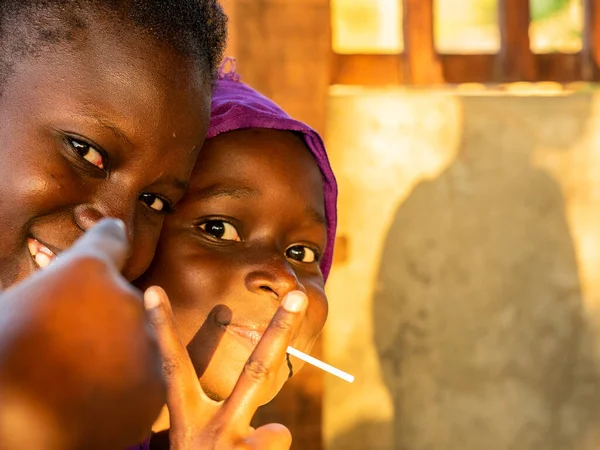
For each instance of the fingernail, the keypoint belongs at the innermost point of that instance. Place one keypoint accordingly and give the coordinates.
(151, 299)
(116, 226)
(119, 223)
(294, 301)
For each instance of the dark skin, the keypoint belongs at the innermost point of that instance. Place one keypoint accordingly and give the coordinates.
(52, 398)
(106, 126)
(249, 231)
(78, 371)
(198, 422)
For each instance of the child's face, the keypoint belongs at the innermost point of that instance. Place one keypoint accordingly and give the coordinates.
(249, 231)
(107, 126)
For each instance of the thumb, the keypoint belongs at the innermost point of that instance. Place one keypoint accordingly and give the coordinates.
(272, 436)
(107, 240)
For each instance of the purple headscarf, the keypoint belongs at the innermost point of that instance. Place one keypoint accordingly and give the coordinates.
(144, 446)
(236, 106)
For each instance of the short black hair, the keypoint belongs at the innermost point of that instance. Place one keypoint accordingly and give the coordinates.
(193, 28)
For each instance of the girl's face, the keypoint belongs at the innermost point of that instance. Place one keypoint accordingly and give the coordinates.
(107, 126)
(251, 229)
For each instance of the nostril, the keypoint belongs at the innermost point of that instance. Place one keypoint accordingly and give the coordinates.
(86, 216)
(267, 289)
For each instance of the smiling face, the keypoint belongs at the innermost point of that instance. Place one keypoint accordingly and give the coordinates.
(251, 229)
(106, 126)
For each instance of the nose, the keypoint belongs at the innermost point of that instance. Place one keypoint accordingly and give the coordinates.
(87, 215)
(273, 276)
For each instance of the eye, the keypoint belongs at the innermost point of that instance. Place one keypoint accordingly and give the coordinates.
(89, 153)
(156, 203)
(221, 230)
(302, 253)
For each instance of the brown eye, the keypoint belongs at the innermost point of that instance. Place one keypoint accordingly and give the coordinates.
(89, 153)
(221, 230)
(301, 253)
(155, 203)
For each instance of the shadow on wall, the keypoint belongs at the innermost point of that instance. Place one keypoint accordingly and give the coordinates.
(478, 315)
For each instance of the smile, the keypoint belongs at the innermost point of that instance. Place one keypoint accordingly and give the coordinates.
(41, 254)
(248, 334)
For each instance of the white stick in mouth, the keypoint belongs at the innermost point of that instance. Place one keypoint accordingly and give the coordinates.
(320, 364)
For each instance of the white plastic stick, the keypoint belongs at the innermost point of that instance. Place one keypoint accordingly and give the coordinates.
(320, 364)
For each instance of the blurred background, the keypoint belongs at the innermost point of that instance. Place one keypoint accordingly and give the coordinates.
(465, 295)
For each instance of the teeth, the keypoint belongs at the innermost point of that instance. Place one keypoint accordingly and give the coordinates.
(32, 247)
(42, 260)
(42, 255)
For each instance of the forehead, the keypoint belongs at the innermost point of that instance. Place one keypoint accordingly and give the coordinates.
(251, 154)
(117, 70)
(266, 161)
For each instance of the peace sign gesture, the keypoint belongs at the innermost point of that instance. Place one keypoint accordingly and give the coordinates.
(199, 423)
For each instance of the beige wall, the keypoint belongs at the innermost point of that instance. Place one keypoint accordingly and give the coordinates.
(468, 306)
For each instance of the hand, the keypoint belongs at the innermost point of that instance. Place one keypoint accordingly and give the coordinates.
(199, 423)
(78, 363)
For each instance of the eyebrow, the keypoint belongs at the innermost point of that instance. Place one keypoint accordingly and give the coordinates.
(178, 183)
(239, 192)
(317, 216)
(242, 192)
(112, 128)
(93, 114)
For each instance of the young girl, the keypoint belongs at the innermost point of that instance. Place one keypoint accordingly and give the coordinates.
(104, 105)
(257, 223)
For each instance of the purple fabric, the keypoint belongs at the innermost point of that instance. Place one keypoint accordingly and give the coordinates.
(143, 446)
(236, 106)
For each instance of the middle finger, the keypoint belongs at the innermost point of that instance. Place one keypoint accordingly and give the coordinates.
(265, 361)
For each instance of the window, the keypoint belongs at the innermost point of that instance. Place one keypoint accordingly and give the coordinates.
(366, 26)
(471, 27)
(556, 26)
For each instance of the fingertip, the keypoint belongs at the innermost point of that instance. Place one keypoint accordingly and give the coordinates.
(112, 226)
(153, 297)
(271, 436)
(295, 301)
(106, 241)
(279, 429)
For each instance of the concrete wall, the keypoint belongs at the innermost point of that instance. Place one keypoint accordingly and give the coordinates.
(467, 300)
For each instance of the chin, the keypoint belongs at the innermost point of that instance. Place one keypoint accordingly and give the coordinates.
(218, 381)
(218, 386)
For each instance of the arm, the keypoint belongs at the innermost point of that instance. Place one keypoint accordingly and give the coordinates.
(79, 367)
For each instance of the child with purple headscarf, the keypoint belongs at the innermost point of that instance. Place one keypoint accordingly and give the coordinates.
(257, 223)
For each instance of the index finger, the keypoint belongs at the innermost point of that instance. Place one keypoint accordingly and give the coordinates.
(184, 394)
(265, 360)
(107, 240)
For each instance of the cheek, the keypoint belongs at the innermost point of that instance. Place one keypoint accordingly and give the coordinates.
(195, 281)
(196, 291)
(312, 325)
(31, 159)
(145, 241)
(34, 169)
(29, 191)
(22, 197)
(316, 314)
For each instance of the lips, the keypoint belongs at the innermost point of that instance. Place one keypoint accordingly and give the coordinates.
(248, 334)
(40, 253)
(247, 331)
